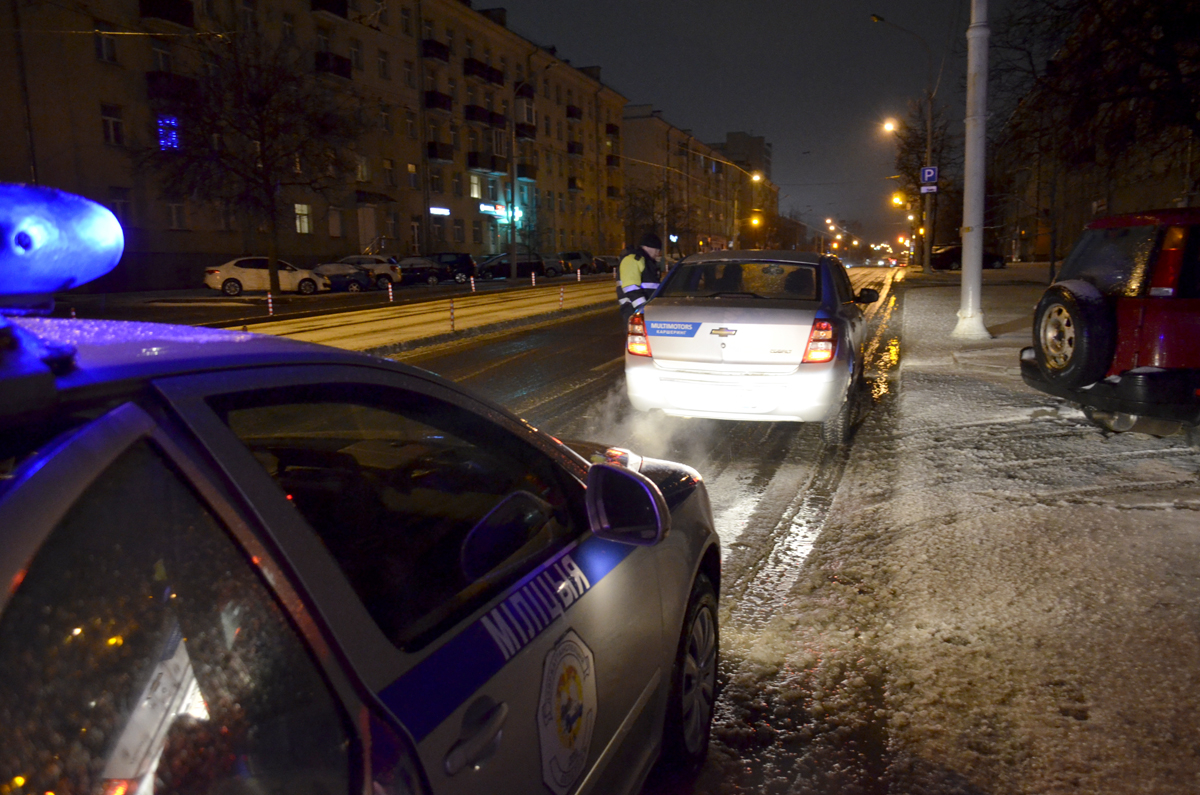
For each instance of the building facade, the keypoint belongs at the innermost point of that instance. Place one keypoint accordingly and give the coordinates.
(688, 192)
(476, 137)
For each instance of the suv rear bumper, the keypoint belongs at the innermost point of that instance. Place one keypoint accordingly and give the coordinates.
(1163, 394)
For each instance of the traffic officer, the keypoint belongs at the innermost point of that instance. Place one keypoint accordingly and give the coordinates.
(637, 276)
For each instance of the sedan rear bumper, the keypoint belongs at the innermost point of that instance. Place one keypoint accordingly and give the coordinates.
(804, 395)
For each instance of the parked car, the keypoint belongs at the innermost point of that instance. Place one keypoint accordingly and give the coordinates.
(245, 562)
(417, 270)
(751, 335)
(949, 258)
(343, 276)
(605, 264)
(379, 265)
(1116, 333)
(498, 266)
(571, 261)
(454, 265)
(250, 273)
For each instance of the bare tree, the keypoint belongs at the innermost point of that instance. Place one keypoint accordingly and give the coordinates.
(258, 129)
(912, 137)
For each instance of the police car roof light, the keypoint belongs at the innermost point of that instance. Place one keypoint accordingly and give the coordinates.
(51, 240)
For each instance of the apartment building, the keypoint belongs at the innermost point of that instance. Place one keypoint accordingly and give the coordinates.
(689, 192)
(475, 136)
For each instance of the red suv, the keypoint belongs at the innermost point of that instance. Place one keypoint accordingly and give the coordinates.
(1119, 332)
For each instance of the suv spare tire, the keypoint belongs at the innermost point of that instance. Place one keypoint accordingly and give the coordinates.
(1074, 334)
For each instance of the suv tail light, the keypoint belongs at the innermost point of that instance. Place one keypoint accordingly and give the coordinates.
(1170, 263)
(822, 341)
(638, 343)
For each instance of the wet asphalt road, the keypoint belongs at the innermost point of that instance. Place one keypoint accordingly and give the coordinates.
(771, 485)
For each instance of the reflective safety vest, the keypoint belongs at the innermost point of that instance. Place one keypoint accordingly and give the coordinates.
(637, 279)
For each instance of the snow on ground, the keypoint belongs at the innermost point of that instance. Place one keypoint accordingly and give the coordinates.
(1004, 598)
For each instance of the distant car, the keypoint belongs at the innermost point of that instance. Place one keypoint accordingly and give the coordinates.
(497, 266)
(378, 264)
(949, 258)
(571, 261)
(344, 277)
(250, 273)
(751, 335)
(1116, 333)
(236, 563)
(454, 265)
(605, 264)
(417, 270)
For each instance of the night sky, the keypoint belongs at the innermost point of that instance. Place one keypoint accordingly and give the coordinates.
(816, 77)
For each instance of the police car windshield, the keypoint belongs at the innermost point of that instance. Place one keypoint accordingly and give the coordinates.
(792, 281)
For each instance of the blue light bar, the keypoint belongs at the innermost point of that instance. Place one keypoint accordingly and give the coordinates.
(51, 240)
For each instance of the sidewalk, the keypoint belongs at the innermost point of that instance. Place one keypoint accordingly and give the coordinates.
(1003, 595)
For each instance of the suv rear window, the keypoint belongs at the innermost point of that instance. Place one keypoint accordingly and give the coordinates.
(1114, 260)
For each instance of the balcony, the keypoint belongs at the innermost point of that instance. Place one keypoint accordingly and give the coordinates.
(331, 64)
(574, 112)
(178, 11)
(612, 161)
(473, 67)
(498, 120)
(495, 76)
(613, 192)
(526, 132)
(486, 163)
(575, 148)
(439, 152)
(432, 48)
(476, 114)
(170, 88)
(612, 130)
(524, 90)
(436, 100)
(333, 8)
(574, 185)
(527, 172)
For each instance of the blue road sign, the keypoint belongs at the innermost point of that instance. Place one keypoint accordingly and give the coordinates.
(929, 174)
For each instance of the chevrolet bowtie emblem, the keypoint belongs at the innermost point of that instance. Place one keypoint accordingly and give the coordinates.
(724, 332)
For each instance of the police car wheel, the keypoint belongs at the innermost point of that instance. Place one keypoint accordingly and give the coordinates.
(693, 684)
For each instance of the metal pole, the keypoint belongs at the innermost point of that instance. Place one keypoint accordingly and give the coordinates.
(970, 314)
(927, 238)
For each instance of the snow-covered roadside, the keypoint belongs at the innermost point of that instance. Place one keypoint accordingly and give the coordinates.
(1003, 597)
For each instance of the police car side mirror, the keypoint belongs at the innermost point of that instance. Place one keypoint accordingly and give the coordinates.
(625, 506)
(867, 295)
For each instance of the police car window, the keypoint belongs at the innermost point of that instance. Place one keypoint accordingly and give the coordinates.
(160, 662)
(761, 279)
(425, 507)
(1114, 260)
(841, 281)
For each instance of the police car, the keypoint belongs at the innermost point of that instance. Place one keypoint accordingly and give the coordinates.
(239, 564)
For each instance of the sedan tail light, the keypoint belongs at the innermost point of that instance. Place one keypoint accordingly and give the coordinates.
(638, 343)
(213, 271)
(822, 341)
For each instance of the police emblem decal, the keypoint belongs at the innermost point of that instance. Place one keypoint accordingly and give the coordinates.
(566, 711)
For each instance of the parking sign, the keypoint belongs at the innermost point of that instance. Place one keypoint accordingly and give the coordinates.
(928, 174)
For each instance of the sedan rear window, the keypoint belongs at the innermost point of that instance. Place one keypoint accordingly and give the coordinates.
(755, 279)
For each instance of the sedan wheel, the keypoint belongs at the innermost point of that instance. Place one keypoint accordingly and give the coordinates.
(693, 684)
(231, 287)
(354, 287)
(382, 282)
(461, 278)
(306, 287)
(433, 280)
(551, 273)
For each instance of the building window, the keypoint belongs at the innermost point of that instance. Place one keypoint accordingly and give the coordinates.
(356, 56)
(168, 132)
(389, 172)
(414, 230)
(439, 230)
(385, 117)
(410, 74)
(381, 12)
(453, 88)
(547, 126)
(410, 124)
(324, 42)
(362, 169)
(162, 56)
(476, 187)
(406, 20)
(335, 221)
(384, 73)
(304, 219)
(121, 204)
(247, 15)
(114, 126)
(392, 224)
(469, 46)
(459, 236)
(476, 232)
(176, 219)
(455, 139)
(492, 190)
(450, 39)
(106, 46)
(458, 186)
(435, 180)
(413, 181)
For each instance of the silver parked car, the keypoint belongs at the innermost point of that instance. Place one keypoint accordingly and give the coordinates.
(751, 335)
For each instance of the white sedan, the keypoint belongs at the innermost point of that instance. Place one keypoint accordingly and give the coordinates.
(250, 273)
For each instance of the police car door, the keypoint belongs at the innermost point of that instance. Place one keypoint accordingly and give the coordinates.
(527, 646)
